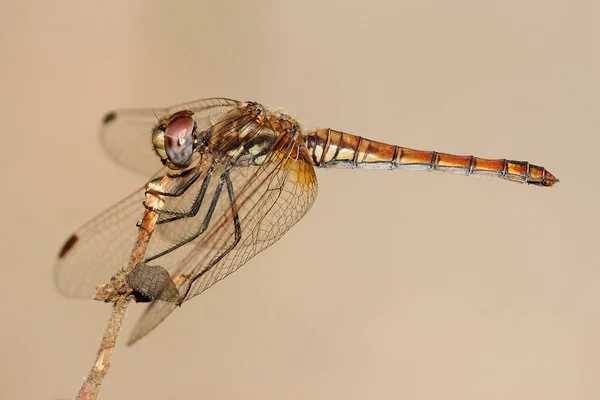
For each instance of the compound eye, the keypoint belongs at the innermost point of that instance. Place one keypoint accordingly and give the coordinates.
(179, 140)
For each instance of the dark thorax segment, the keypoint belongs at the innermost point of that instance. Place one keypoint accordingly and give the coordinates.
(247, 135)
(243, 137)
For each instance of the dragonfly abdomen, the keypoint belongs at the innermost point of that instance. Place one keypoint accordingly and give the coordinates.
(334, 149)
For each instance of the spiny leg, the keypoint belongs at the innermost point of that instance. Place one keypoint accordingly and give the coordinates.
(180, 190)
(195, 207)
(237, 232)
(204, 225)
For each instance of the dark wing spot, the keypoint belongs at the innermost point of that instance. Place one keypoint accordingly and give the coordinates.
(109, 117)
(68, 245)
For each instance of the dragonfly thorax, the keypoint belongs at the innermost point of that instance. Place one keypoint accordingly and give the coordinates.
(250, 151)
(246, 135)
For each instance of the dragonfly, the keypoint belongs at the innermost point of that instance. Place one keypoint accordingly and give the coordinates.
(235, 177)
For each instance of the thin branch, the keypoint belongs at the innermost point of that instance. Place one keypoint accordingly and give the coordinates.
(117, 291)
(92, 383)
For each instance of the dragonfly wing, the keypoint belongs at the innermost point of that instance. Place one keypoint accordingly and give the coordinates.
(126, 133)
(102, 246)
(98, 249)
(254, 207)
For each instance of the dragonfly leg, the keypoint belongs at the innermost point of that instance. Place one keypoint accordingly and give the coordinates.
(180, 190)
(193, 211)
(237, 233)
(204, 225)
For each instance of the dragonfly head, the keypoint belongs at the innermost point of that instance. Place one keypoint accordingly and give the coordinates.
(173, 139)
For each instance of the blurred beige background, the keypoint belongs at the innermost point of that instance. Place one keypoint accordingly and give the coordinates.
(397, 284)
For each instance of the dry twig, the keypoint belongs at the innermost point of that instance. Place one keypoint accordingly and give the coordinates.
(117, 291)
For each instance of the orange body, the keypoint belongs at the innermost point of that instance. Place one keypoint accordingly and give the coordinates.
(330, 148)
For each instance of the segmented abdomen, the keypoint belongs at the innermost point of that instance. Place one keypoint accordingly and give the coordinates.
(334, 149)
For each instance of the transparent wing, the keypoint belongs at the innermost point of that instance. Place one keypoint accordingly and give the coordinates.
(254, 208)
(126, 133)
(102, 246)
(98, 249)
(216, 215)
